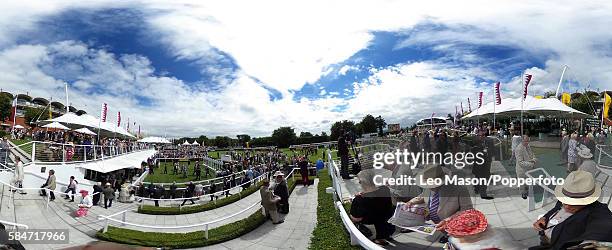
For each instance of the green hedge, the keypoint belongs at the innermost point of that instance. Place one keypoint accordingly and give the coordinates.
(149, 209)
(329, 232)
(187, 240)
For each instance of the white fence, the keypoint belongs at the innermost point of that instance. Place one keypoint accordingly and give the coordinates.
(204, 225)
(52, 153)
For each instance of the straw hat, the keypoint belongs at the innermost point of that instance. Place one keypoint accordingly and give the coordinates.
(585, 153)
(278, 173)
(579, 188)
(468, 222)
(430, 172)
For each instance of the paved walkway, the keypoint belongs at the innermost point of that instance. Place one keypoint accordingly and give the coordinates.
(30, 210)
(294, 233)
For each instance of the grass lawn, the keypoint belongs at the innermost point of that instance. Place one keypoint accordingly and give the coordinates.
(160, 177)
(26, 148)
(187, 240)
(150, 209)
(329, 232)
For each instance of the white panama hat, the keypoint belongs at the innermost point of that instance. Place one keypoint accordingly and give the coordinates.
(579, 189)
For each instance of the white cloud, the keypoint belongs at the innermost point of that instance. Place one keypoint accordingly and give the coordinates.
(286, 45)
(347, 68)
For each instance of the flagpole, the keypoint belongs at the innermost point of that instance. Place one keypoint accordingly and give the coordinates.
(67, 104)
(14, 113)
(522, 101)
(560, 80)
(494, 103)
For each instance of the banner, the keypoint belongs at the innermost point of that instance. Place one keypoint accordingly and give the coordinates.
(479, 99)
(119, 119)
(104, 111)
(469, 105)
(566, 98)
(497, 94)
(607, 102)
(527, 81)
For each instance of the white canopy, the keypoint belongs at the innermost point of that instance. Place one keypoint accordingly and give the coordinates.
(531, 106)
(84, 131)
(18, 126)
(87, 120)
(186, 143)
(132, 160)
(195, 143)
(154, 139)
(56, 125)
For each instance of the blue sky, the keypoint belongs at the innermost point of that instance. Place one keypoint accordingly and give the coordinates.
(231, 71)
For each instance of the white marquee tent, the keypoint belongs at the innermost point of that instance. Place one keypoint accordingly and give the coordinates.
(72, 120)
(531, 106)
(154, 139)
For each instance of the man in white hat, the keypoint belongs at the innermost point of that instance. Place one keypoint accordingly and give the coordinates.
(443, 201)
(577, 216)
(586, 157)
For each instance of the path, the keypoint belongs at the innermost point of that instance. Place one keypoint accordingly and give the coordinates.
(294, 233)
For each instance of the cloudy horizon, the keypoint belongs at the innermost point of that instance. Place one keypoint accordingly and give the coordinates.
(189, 68)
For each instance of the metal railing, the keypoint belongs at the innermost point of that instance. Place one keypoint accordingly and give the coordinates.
(216, 193)
(47, 197)
(548, 192)
(206, 225)
(51, 152)
(14, 224)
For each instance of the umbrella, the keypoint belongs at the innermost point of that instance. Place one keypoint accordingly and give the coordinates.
(18, 126)
(84, 131)
(56, 125)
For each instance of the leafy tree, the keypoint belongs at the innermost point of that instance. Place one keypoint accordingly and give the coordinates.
(380, 123)
(5, 107)
(284, 136)
(261, 141)
(31, 115)
(243, 139)
(203, 140)
(222, 141)
(348, 126)
(369, 124)
(549, 94)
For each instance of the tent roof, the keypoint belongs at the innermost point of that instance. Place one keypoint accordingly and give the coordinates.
(84, 131)
(154, 139)
(531, 106)
(132, 160)
(87, 120)
(56, 125)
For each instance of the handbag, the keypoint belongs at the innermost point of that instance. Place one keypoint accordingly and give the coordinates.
(364, 230)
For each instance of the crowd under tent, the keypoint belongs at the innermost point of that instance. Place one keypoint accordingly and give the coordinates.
(511, 107)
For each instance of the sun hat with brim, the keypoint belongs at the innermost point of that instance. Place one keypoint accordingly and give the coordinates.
(278, 173)
(430, 172)
(585, 153)
(468, 222)
(372, 174)
(578, 189)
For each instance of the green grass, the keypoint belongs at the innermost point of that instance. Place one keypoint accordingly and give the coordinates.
(149, 209)
(329, 232)
(187, 240)
(26, 148)
(160, 177)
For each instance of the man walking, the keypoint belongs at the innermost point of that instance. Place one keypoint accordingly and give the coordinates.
(18, 175)
(525, 161)
(109, 195)
(269, 201)
(49, 184)
(189, 193)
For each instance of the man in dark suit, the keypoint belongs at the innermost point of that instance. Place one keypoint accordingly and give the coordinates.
(343, 152)
(486, 146)
(97, 189)
(189, 193)
(577, 216)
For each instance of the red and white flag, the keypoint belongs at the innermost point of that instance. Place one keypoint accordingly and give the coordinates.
(128, 125)
(497, 94)
(469, 105)
(479, 99)
(104, 111)
(14, 111)
(527, 81)
(119, 119)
